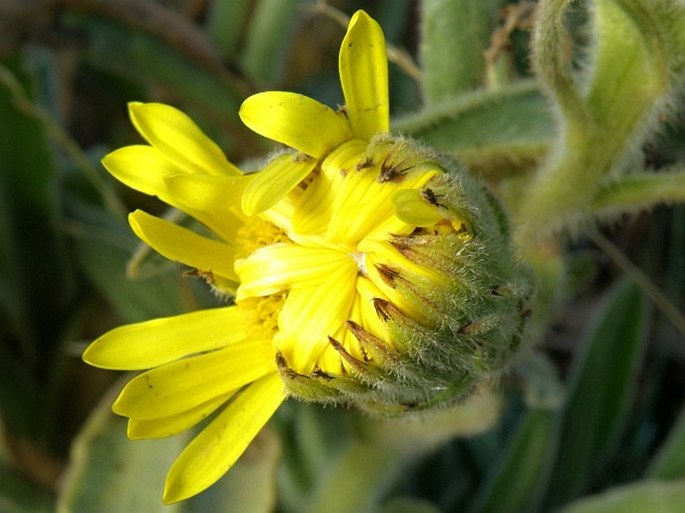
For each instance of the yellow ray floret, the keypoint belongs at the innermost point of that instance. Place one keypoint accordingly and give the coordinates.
(296, 121)
(176, 136)
(273, 182)
(179, 386)
(218, 446)
(159, 341)
(363, 70)
(185, 246)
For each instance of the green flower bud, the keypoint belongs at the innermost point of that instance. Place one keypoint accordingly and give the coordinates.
(453, 298)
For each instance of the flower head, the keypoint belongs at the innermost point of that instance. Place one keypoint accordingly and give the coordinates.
(364, 269)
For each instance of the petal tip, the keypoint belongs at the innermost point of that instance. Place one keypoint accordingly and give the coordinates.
(87, 356)
(177, 489)
(360, 15)
(134, 108)
(96, 354)
(169, 497)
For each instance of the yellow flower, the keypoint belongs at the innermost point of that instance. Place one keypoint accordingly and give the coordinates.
(361, 270)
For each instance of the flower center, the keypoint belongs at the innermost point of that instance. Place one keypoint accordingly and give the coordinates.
(324, 252)
(256, 234)
(360, 258)
(261, 315)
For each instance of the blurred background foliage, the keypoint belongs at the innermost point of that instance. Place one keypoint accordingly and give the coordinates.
(596, 414)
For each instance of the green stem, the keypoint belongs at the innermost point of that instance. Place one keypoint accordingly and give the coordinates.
(358, 479)
(636, 192)
(455, 34)
(62, 138)
(626, 86)
(552, 60)
(463, 104)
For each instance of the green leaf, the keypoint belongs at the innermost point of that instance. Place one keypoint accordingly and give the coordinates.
(408, 505)
(357, 480)
(636, 192)
(669, 462)
(601, 390)
(516, 476)
(317, 436)
(18, 495)
(21, 404)
(552, 60)
(513, 482)
(34, 274)
(128, 51)
(109, 473)
(454, 37)
(493, 132)
(642, 497)
(225, 24)
(105, 266)
(630, 66)
(372, 461)
(103, 248)
(30, 261)
(268, 40)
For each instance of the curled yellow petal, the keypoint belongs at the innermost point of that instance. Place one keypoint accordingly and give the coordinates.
(220, 444)
(413, 207)
(146, 169)
(296, 121)
(315, 208)
(271, 184)
(363, 70)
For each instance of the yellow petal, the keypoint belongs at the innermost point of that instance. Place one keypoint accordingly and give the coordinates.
(145, 169)
(182, 385)
(282, 212)
(206, 192)
(315, 208)
(152, 343)
(182, 245)
(279, 267)
(412, 207)
(296, 121)
(360, 205)
(272, 183)
(363, 69)
(220, 444)
(142, 168)
(371, 203)
(370, 320)
(311, 314)
(174, 424)
(179, 138)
